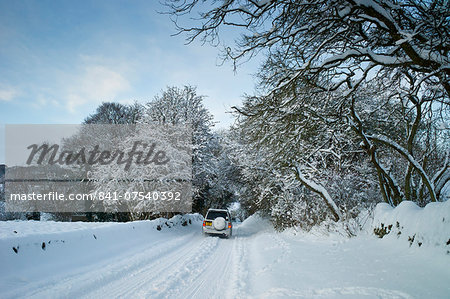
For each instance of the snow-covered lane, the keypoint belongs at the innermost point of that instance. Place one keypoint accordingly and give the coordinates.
(256, 262)
(204, 267)
(172, 263)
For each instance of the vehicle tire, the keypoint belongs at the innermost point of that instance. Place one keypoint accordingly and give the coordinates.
(219, 223)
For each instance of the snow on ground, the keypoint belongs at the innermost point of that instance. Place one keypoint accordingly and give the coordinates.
(99, 260)
(428, 227)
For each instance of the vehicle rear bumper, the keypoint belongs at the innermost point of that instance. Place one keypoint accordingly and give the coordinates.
(211, 231)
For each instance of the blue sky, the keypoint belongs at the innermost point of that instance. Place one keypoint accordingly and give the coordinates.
(60, 59)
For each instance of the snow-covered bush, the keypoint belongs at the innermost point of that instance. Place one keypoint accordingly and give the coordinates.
(298, 208)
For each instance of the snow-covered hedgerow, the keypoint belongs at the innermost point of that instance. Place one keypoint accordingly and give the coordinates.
(428, 226)
(28, 238)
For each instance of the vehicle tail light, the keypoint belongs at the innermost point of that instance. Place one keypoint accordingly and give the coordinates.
(204, 223)
(229, 224)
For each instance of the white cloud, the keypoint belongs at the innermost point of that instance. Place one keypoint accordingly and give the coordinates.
(7, 94)
(96, 84)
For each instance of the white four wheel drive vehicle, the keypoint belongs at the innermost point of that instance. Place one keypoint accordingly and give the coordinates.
(217, 222)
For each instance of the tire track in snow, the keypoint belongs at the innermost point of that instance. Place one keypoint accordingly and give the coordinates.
(213, 275)
(240, 267)
(181, 277)
(345, 292)
(218, 271)
(146, 272)
(213, 269)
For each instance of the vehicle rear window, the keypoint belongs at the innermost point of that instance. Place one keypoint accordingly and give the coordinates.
(214, 214)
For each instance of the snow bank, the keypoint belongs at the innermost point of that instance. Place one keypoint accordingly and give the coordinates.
(26, 244)
(16, 229)
(429, 226)
(255, 224)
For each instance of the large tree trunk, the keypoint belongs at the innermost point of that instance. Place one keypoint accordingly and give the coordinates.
(426, 180)
(389, 188)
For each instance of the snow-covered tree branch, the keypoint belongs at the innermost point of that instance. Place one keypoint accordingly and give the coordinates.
(383, 65)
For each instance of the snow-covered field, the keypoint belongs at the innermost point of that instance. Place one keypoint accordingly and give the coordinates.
(103, 260)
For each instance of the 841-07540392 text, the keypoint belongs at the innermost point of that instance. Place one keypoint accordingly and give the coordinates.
(99, 196)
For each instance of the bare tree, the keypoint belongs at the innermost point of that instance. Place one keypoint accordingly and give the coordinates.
(184, 107)
(115, 113)
(391, 53)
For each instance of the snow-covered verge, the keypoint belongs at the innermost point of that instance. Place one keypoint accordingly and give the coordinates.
(420, 227)
(328, 264)
(28, 233)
